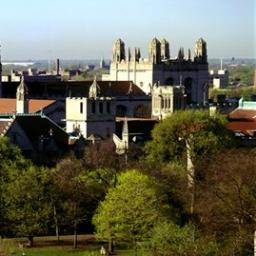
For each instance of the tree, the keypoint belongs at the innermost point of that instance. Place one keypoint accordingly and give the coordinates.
(202, 133)
(27, 209)
(11, 160)
(77, 193)
(228, 189)
(169, 239)
(192, 133)
(130, 209)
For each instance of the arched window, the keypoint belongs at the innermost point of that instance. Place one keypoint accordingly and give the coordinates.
(93, 107)
(101, 107)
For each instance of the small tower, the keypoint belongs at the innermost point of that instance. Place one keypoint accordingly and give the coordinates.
(94, 90)
(181, 54)
(118, 51)
(200, 51)
(154, 51)
(22, 97)
(165, 51)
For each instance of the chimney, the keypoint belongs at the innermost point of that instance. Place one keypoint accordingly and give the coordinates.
(58, 66)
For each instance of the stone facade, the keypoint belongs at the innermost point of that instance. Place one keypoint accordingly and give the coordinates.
(167, 99)
(160, 68)
(91, 115)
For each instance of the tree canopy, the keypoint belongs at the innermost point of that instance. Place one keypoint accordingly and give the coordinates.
(205, 134)
(131, 209)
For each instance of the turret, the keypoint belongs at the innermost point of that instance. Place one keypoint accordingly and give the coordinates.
(165, 51)
(94, 89)
(22, 97)
(200, 51)
(118, 51)
(154, 51)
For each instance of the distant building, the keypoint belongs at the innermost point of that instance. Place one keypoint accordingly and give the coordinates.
(160, 68)
(219, 79)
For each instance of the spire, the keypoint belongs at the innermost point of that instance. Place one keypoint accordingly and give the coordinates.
(22, 97)
(129, 54)
(181, 54)
(189, 54)
(94, 89)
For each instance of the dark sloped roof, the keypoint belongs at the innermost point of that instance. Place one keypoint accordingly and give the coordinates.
(37, 125)
(41, 89)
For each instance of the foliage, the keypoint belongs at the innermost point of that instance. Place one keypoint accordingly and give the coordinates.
(131, 209)
(27, 209)
(169, 239)
(229, 191)
(203, 133)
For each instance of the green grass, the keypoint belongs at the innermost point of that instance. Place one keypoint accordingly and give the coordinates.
(48, 246)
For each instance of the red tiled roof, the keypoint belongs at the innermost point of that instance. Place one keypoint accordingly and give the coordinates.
(247, 128)
(243, 114)
(8, 106)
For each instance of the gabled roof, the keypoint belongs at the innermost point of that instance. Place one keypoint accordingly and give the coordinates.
(8, 106)
(40, 125)
(40, 89)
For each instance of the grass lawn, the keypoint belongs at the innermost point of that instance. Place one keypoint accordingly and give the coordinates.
(48, 246)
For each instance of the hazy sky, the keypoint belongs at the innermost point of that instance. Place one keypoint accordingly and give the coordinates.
(86, 29)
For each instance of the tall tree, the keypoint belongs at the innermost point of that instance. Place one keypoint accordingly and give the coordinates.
(192, 134)
(78, 193)
(226, 200)
(27, 208)
(11, 160)
(130, 209)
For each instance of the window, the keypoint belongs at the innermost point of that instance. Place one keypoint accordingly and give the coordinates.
(101, 107)
(108, 107)
(93, 107)
(81, 107)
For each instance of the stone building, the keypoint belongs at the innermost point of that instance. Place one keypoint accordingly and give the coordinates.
(167, 99)
(92, 115)
(160, 68)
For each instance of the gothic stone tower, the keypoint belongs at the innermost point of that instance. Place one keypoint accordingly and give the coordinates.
(22, 98)
(154, 51)
(165, 51)
(118, 51)
(200, 51)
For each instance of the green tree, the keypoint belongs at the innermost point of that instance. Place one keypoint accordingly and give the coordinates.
(130, 209)
(77, 194)
(27, 208)
(229, 191)
(190, 134)
(203, 134)
(11, 160)
(169, 239)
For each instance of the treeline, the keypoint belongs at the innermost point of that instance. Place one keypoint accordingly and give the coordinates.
(191, 192)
